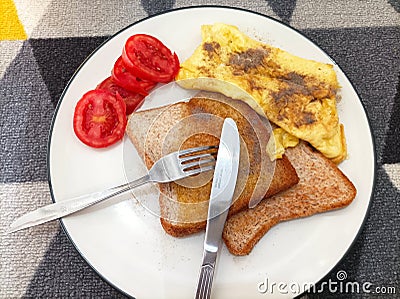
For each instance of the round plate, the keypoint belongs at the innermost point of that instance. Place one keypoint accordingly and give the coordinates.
(125, 243)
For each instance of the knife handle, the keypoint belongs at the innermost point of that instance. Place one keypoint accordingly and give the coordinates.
(72, 205)
(65, 207)
(206, 275)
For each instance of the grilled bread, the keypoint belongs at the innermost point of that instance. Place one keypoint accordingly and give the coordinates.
(322, 187)
(297, 94)
(159, 131)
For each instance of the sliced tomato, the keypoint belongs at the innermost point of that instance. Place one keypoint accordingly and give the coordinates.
(147, 57)
(127, 80)
(99, 118)
(133, 100)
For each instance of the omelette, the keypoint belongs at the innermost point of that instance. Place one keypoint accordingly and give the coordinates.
(297, 94)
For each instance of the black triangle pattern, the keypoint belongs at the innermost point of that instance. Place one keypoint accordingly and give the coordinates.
(284, 9)
(153, 7)
(58, 58)
(392, 145)
(355, 48)
(395, 4)
(60, 274)
(24, 132)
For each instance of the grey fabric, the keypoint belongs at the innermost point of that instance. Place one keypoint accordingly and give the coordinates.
(370, 60)
(26, 113)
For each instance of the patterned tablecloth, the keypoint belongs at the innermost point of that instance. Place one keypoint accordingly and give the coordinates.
(43, 42)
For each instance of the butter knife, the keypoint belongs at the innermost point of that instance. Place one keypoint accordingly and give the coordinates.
(223, 187)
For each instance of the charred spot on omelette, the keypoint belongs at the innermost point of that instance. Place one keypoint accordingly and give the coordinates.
(297, 94)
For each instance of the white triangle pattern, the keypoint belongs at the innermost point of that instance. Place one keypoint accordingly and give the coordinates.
(30, 13)
(22, 252)
(253, 5)
(87, 18)
(393, 171)
(8, 50)
(342, 14)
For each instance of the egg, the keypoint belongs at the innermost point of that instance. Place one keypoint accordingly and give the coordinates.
(277, 145)
(297, 94)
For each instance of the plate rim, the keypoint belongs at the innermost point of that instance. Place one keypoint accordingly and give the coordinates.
(55, 114)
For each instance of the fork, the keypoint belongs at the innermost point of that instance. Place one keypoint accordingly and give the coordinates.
(172, 167)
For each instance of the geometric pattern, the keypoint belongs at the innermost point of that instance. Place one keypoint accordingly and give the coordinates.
(393, 171)
(57, 66)
(26, 113)
(334, 14)
(283, 12)
(369, 58)
(42, 44)
(18, 264)
(392, 145)
(12, 29)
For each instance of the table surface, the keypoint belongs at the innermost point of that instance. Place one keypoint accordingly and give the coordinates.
(43, 42)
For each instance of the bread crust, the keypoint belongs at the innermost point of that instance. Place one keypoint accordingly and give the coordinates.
(177, 218)
(181, 229)
(322, 187)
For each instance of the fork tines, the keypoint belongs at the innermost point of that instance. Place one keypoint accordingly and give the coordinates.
(196, 150)
(199, 159)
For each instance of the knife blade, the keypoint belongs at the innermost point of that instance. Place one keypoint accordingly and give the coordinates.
(223, 187)
(60, 209)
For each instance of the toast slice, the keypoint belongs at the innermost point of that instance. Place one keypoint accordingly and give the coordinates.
(322, 187)
(159, 131)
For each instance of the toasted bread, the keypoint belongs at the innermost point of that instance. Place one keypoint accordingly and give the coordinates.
(158, 131)
(322, 187)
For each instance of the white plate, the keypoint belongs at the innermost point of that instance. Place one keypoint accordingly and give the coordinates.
(125, 243)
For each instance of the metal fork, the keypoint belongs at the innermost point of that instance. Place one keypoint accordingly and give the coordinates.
(172, 167)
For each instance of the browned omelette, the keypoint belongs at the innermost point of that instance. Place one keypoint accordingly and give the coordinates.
(297, 94)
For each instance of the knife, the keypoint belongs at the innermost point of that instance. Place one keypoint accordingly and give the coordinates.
(223, 187)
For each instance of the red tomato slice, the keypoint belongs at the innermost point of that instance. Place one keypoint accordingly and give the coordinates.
(148, 58)
(127, 80)
(132, 99)
(99, 118)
